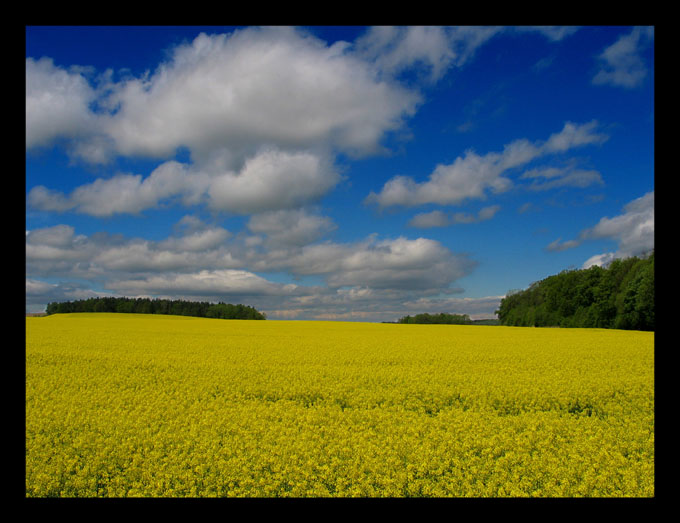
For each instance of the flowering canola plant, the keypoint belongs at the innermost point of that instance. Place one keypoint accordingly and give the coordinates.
(122, 405)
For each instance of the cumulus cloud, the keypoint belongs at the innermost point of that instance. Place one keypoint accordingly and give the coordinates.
(294, 227)
(633, 231)
(621, 64)
(402, 264)
(58, 251)
(271, 180)
(260, 110)
(124, 193)
(472, 176)
(57, 103)
(201, 240)
(226, 95)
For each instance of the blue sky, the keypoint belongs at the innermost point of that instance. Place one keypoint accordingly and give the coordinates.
(342, 173)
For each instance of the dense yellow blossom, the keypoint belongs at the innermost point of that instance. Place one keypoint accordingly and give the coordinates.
(141, 405)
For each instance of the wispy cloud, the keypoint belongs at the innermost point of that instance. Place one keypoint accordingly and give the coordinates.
(622, 64)
(472, 176)
(548, 178)
(552, 32)
(435, 49)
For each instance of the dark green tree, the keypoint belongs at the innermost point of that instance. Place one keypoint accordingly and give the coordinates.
(620, 295)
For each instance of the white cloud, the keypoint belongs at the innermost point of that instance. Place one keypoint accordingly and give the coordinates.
(290, 227)
(124, 193)
(633, 231)
(227, 95)
(56, 248)
(395, 49)
(421, 265)
(434, 49)
(261, 111)
(573, 135)
(271, 180)
(621, 63)
(472, 176)
(201, 240)
(599, 260)
(59, 251)
(57, 103)
(146, 256)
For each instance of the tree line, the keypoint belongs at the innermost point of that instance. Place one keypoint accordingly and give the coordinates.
(443, 318)
(157, 306)
(619, 295)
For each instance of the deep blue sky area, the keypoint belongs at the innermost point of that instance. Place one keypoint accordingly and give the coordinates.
(344, 173)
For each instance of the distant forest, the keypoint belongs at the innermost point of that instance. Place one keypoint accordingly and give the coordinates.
(442, 318)
(158, 306)
(619, 296)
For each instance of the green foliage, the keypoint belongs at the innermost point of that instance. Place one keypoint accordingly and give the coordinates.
(158, 306)
(619, 296)
(442, 318)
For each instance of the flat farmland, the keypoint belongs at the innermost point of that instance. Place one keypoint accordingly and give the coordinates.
(122, 405)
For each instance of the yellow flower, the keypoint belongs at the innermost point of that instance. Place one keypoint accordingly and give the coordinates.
(138, 405)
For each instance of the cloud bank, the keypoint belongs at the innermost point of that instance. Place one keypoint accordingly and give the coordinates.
(207, 262)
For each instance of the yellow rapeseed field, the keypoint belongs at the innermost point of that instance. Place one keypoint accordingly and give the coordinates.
(139, 405)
